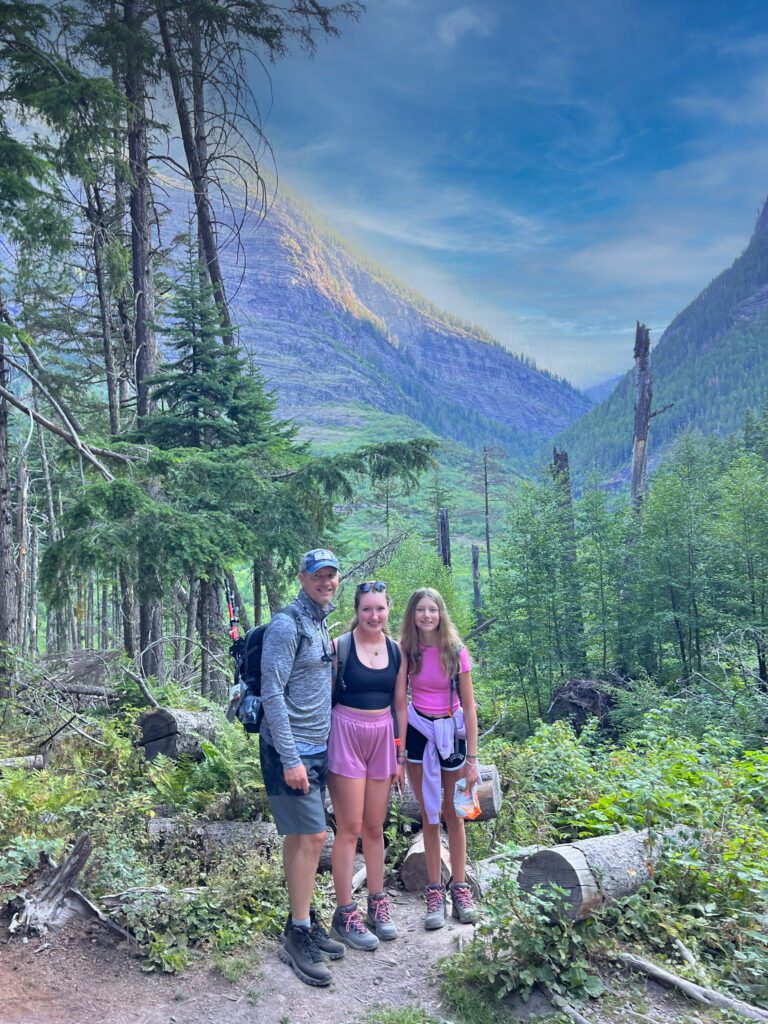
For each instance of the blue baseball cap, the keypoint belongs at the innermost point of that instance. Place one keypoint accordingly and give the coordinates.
(319, 558)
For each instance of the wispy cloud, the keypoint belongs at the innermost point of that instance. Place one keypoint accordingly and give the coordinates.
(451, 28)
(750, 107)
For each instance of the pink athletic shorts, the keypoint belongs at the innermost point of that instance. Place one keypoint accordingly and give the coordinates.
(361, 745)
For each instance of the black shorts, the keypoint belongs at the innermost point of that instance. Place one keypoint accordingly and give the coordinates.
(295, 812)
(416, 741)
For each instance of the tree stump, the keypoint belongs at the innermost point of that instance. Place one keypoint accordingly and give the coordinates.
(53, 900)
(413, 872)
(595, 871)
(177, 732)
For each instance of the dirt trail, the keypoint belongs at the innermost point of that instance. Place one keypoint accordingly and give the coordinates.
(81, 977)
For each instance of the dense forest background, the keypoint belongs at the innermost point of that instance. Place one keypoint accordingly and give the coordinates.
(620, 646)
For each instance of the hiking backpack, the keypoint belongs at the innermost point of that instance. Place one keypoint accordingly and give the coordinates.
(245, 693)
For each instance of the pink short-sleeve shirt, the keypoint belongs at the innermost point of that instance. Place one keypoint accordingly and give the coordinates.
(430, 689)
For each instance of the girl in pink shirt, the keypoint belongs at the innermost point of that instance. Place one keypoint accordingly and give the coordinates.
(435, 655)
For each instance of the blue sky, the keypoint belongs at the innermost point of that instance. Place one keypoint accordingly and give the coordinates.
(553, 170)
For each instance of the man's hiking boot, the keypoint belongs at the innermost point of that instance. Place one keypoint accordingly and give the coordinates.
(348, 926)
(332, 949)
(299, 950)
(463, 907)
(435, 915)
(378, 919)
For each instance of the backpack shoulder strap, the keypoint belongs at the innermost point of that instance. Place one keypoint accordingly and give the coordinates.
(343, 645)
(395, 653)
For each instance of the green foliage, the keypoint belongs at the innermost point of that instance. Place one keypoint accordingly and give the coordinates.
(523, 942)
(398, 1015)
(21, 856)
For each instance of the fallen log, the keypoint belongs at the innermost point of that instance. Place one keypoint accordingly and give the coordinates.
(54, 901)
(700, 994)
(215, 836)
(595, 871)
(32, 763)
(176, 732)
(491, 868)
(413, 872)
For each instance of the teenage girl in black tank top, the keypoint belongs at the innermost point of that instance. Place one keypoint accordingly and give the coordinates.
(364, 762)
(366, 688)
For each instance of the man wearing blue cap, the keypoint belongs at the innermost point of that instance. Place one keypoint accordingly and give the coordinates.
(296, 664)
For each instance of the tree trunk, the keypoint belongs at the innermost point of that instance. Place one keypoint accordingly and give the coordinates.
(22, 535)
(203, 626)
(33, 597)
(8, 601)
(150, 639)
(443, 537)
(128, 613)
(575, 643)
(644, 395)
(197, 173)
(176, 732)
(256, 593)
(192, 603)
(478, 597)
(178, 640)
(140, 207)
(98, 235)
(487, 512)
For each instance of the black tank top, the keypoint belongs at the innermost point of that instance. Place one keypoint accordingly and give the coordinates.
(368, 689)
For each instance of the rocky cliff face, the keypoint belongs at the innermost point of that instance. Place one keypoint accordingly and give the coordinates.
(329, 327)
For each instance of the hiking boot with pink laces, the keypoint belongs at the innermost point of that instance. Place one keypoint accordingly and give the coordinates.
(435, 915)
(379, 919)
(348, 927)
(463, 907)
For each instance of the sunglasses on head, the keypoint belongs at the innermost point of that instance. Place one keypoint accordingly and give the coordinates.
(365, 587)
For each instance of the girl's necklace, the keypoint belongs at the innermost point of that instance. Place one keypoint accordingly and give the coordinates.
(371, 654)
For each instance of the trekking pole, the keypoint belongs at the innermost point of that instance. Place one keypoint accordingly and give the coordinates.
(237, 649)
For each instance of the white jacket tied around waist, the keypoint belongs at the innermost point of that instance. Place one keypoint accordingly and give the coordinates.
(440, 734)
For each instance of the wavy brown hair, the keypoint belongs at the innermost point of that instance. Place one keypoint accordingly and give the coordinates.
(449, 640)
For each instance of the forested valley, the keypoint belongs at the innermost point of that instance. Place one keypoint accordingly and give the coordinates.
(619, 644)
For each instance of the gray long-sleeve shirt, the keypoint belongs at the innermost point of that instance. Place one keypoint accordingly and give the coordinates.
(295, 681)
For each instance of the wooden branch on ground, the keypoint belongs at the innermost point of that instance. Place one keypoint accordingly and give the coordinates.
(700, 994)
(566, 1008)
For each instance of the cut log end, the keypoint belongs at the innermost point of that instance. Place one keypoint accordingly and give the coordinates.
(564, 876)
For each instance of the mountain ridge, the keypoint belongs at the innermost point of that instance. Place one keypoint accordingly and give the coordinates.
(325, 330)
(707, 368)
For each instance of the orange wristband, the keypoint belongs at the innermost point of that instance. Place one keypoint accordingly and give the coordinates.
(398, 741)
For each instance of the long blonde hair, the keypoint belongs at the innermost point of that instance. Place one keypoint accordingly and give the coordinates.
(449, 641)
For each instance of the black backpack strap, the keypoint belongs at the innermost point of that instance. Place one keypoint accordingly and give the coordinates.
(342, 647)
